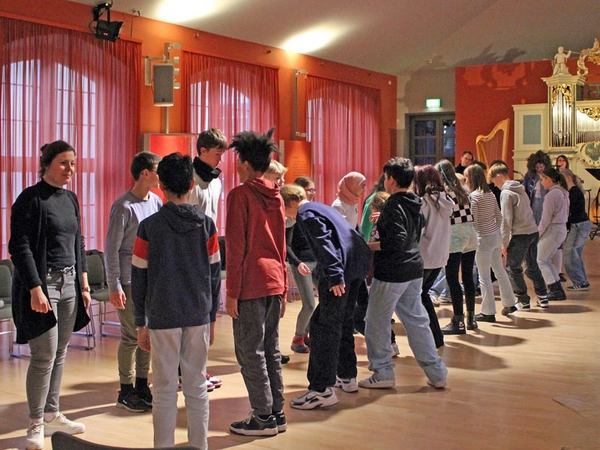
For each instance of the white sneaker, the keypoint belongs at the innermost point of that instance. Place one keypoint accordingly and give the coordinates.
(314, 399)
(395, 350)
(346, 384)
(374, 383)
(61, 423)
(35, 436)
(438, 384)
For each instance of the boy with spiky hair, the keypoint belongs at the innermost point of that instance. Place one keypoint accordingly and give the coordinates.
(256, 282)
(176, 279)
(126, 214)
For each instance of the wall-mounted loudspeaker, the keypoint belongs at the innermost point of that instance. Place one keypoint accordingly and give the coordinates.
(163, 84)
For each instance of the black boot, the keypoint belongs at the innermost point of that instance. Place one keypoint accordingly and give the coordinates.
(471, 322)
(456, 326)
(556, 292)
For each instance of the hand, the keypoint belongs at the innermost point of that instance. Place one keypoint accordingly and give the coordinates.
(231, 304)
(283, 304)
(303, 269)
(374, 217)
(211, 340)
(87, 299)
(118, 299)
(144, 338)
(504, 252)
(39, 302)
(338, 290)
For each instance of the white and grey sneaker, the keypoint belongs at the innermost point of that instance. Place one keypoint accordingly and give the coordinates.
(375, 383)
(35, 436)
(61, 423)
(315, 399)
(346, 384)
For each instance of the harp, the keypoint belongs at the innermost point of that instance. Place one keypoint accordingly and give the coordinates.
(494, 145)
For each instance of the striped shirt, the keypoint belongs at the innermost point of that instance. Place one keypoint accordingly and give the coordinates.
(485, 212)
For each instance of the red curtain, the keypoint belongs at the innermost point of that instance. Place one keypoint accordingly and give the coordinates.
(231, 96)
(343, 125)
(63, 84)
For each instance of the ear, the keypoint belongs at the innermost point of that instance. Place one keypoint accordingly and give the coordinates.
(193, 183)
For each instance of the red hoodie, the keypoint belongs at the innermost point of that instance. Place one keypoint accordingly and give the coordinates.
(255, 241)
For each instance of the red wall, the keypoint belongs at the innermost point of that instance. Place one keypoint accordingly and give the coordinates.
(153, 35)
(485, 95)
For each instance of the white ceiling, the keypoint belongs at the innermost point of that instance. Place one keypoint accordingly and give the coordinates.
(399, 37)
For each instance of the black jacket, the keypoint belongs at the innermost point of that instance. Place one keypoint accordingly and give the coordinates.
(399, 226)
(27, 247)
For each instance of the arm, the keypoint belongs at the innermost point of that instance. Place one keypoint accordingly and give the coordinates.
(119, 217)
(507, 218)
(24, 220)
(548, 210)
(291, 256)
(323, 243)
(235, 242)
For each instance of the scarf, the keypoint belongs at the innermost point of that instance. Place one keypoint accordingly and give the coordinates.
(204, 171)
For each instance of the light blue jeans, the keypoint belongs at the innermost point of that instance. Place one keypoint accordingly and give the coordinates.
(405, 300)
(572, 250)
(48, 351)
(186, 348)
(549, 242)
(305, 285)
(489, 255)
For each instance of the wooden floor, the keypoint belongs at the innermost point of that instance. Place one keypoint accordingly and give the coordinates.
(531, 381)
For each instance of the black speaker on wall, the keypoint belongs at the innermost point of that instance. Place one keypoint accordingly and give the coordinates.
(163, 84)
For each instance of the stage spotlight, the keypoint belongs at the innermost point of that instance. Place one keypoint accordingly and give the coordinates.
(109, 31)
(105, 29)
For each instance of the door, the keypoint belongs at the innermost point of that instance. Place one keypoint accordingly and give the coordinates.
(432, 138)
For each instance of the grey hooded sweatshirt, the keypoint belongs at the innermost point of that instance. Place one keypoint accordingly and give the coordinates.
(517, 215)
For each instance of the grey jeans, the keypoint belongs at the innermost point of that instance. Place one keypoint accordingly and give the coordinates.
(48, 351)
(130, 356)
(256, 339)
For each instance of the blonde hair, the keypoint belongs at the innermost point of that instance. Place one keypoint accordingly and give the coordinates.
(378, 201)
(276, 168)
(292, 192)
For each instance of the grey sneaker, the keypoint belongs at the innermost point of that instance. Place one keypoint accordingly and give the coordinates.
(315, 399)
(346, 384)
(35, 436)
(61, 423)
(438, 384)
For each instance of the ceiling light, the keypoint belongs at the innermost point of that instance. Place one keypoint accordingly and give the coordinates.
(310, 40)
(183, 10)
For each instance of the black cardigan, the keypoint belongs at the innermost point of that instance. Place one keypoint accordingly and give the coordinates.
(27, 247)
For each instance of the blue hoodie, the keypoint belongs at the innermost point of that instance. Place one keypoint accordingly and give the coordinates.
(176, 273)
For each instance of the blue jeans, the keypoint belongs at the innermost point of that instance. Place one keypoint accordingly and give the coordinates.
(305, 285)
(186, 348)
(572, 250)
(405, 300)
(549, 242)
(489, 255)
(49, 350)
(256, 341)
(523, 247)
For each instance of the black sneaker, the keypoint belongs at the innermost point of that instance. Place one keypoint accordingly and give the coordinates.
(525, 305)
(255, 426)
(285, 359)
(512, 309)
(485, 317)
(145, 394)
(281, 422)
(132, 403)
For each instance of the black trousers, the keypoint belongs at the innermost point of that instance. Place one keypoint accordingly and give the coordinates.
(331, 337)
